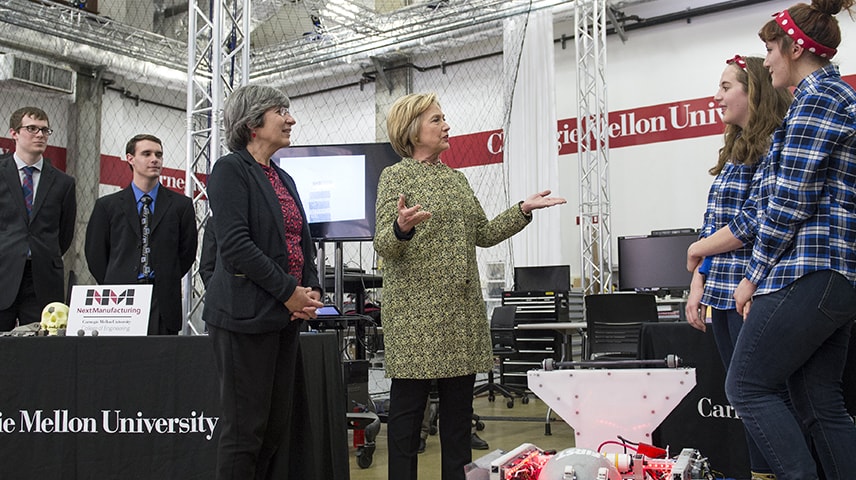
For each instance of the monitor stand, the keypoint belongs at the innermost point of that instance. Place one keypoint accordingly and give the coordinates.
(338, 272)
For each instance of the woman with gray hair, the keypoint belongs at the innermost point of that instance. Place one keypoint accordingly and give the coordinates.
(263, 284)
(429, 223)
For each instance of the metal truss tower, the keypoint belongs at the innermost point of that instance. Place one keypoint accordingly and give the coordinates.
(590, 17)
(218, 61)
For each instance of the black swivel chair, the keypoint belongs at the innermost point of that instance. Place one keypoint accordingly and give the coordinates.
(613, 323)
(502, 337)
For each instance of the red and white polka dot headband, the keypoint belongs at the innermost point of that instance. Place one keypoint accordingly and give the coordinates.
(800, 38)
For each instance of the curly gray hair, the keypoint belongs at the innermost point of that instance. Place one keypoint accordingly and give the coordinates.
(245, 109)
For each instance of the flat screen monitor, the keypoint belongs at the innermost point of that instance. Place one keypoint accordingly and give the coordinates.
(650, 263)
(549, 278)
(337, 185)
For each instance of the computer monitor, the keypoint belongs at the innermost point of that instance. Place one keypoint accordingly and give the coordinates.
(549, 278)
(337, 185)
(652, 263)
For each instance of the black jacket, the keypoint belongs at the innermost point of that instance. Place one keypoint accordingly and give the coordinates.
(113, 241)
(47, 233)
(250, 284)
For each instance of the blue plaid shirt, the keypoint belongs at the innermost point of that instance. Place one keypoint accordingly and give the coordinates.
(807, 198)
(725, 206)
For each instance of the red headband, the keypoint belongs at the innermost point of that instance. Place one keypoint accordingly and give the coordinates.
(739, 60)
(790, 27)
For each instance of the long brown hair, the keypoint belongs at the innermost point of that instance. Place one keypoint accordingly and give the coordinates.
(767, 108)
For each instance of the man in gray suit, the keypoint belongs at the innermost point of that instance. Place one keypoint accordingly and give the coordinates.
(37, 211)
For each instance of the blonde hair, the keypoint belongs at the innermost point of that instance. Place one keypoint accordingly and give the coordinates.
(402, 123)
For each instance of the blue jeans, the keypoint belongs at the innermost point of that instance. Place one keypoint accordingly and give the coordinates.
(726, 325)
(797, 338)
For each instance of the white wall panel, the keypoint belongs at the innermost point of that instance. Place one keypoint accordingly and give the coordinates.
(664, 185)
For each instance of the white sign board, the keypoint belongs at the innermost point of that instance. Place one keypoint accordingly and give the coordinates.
(111, 310)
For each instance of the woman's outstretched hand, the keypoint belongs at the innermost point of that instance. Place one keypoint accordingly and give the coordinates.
(540, 200)
(410, 217)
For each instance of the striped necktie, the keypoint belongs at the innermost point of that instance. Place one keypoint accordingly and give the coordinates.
(145, 227)
(28, 188)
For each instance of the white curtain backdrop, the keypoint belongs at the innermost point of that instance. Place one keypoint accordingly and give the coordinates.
(531, 152)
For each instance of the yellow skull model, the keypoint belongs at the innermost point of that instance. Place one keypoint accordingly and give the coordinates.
(54, 317)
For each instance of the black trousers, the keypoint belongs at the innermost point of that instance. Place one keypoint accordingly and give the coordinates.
(407, 399)
(26, 308)
(259, 376)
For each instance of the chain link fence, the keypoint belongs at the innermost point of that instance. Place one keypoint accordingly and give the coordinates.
(131, 82)
(470, 91)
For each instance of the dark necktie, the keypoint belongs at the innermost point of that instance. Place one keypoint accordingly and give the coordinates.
(27, 187)
(145, 227)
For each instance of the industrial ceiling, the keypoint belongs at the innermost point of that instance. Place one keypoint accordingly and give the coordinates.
(287, 35)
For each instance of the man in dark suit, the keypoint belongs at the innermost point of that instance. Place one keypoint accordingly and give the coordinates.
(114, 236)
(37, 212)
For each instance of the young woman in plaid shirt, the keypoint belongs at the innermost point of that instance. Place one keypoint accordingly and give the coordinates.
(800, 279)
(751, 111)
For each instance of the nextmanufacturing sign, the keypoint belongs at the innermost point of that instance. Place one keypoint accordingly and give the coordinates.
(109, 310)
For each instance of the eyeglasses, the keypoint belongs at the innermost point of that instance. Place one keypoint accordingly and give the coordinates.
(34, 130)
(283, 111)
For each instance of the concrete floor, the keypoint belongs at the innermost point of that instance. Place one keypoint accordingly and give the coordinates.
(505, 429)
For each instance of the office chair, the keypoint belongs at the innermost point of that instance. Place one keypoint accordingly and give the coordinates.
(613, 323)
(502, 336)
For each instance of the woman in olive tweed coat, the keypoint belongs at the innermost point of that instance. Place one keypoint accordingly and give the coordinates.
(429, 223)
